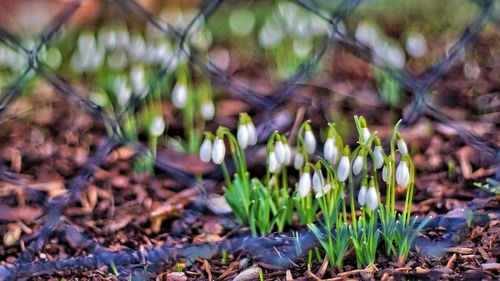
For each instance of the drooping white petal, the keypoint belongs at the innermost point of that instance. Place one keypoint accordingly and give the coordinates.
(343, 168)
(403, 149)
(357, 165)
(206, 150)
(279, 149)
(208, 110)
(218, 151)
(362, 195)
(378, 160)
(366, 134)
(304, 184)
(310, 141)
(179, 95)
(402, 174)
(242, 136)
(299, 161)
(252, 133)
(386, 173)
(288, 155)
(318, 181)
(330, 150)
(372, 198)
(324, 190)
(157, 126)
(273, 163)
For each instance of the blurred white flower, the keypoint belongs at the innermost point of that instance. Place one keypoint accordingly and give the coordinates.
(206, 150)
(242, 136)
(218, 151)
(386, 173)
(402, 147)
(378, 153)
(362, 195)
(318, 181)
(279, 149)
(415, 44)
(252, 133)
(180, 95)
(310, 141)
(343, 168)
(288, 155)
(207, 110)
(372, 198)
(304, 184)
(402, 174)
(299, 161)
(241, 22)
(157, 126)
(357, 165)
(330, 150)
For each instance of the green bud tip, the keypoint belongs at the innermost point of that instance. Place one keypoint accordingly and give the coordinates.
(399, 136)
(362, 122)
(347, 150)
(377, 141)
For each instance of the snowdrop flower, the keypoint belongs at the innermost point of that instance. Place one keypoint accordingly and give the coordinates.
(207, 110)
(372, 197)
(330, 150)
(362, 194)
(326, 188)
(206, 150)
(403, 149)
(279, 148)
(378, 153)
(365, 133)
(157, 126)
(358, 164)
(242, 135)
(309, 139)
(299, 160)
(218, 151)
(288, 154)
(252, 132)
(304, 184)
(415, 44)
(402, 174)
(273, 162)
(386, 173)
(180, 95)
(137, 79)
(344, 165)
(318, 181)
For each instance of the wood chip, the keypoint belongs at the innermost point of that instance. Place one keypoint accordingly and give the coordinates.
(452, 260)
(288, 276)
(459, 250)
(491, 266)
(208, 269)
(483, 254)
(251, 273)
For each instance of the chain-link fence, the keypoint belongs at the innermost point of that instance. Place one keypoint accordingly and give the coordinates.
(418, 86)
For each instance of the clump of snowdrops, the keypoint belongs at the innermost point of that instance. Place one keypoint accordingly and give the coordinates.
(338, 194)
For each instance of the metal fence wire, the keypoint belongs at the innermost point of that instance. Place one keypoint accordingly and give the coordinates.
(418, 86)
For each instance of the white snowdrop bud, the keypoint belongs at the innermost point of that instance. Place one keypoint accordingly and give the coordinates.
(415, 44)
(273, 163)
(242, 136)
(279, 149)
(386, 173)
(343, 168)
(288, 155)
(318, 181)
(304, 184)
(402, 174)
(218, 151)
(362, 195)
(298, 161)
(372, 198)
(310, 141)
(357, 165)
(157, 126)
(207, 110)
(366, 134)
(326, 188)
(378, 160)
(330, 150)
(403, 149)
(206, 150)
(252, 132)
(180, 95)
(137, 79)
